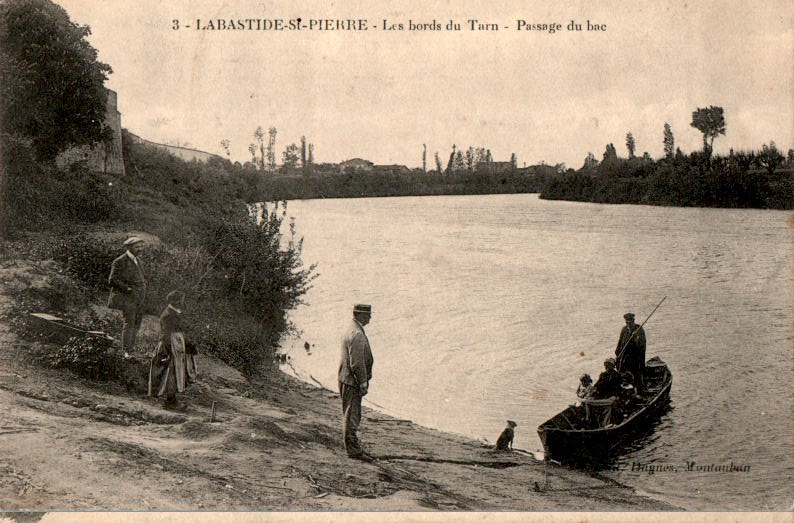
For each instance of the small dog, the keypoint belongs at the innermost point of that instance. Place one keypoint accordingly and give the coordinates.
(505, 441)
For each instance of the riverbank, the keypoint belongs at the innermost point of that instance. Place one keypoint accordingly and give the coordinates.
(74, 444)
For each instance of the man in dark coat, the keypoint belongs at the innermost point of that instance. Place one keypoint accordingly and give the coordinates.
(355, 371)
(608, 383)
(128, 291)
(630, 351)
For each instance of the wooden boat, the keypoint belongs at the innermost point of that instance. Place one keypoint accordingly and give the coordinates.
(596, 430)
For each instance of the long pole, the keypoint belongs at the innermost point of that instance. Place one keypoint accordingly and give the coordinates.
(641, 326)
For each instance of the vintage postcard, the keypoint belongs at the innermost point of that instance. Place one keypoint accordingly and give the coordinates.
(505, 260)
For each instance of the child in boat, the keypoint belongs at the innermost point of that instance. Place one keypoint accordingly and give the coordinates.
(585, 387)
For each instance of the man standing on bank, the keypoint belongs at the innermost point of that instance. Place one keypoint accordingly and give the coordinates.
(630, 352)
(355, 371)
(128, 291)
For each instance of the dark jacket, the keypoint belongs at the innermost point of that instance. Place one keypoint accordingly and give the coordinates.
(170, 322)
(632, 358)
(127, 283)
(608, 384)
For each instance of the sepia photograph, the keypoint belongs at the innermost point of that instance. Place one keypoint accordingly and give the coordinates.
(502, 261)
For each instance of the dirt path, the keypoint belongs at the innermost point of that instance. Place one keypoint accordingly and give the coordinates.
(71, 444)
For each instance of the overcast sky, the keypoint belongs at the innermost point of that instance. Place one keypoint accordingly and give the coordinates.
(380, 95)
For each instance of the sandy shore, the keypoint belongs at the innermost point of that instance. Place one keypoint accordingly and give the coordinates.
(72, 444)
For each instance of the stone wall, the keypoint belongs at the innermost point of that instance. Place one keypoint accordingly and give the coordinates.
(185, 153)
(97, 157)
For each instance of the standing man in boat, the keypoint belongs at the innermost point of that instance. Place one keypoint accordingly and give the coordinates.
(355, 371)
(630, 352)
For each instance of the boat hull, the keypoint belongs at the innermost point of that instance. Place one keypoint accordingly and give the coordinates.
(564, 440)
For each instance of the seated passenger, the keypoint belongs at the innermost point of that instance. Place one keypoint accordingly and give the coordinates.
(626, 395)
(585, 387)
(608, 382)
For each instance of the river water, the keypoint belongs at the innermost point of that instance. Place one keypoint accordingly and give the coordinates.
(487, 308)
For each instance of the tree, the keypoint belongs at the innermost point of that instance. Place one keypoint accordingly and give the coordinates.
(252, 150)
(459, 164)
(590, 162)
(711, 122)
(513, 161)
(451, 162)
(311, 154)
(610, 154)
(630, 145)
(291, 156)
(438, 163)
(52, 91)
(304, 153)
(424, 158)
(669, 141)
(271, 149)
(225, 143)
(469, 159)
(259, 135)
(770, 158)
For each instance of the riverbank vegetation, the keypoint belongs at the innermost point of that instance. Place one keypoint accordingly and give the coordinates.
(242, 277)
(743, 179)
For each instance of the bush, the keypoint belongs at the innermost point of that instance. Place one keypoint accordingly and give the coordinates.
(89, 357)
(259, 273)
(37, 196)
(240, 284)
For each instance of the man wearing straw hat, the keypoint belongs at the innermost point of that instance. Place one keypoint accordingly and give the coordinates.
(128, 290)
(355, 371)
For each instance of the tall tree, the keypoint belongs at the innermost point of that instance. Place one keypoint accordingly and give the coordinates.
(271, 149)
(304, 153)
(438, 163)
(513, 161)
(52, 89)
(630, 145)
(259, 136)
(225, 144)
(311, 154)
(451, 162)
(424, 158)
(669, 141)
(610, 154)
(711, 122)
(470, 159)
(459, 164)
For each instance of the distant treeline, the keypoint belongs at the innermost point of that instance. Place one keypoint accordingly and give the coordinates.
(761, 179)
(357, 184)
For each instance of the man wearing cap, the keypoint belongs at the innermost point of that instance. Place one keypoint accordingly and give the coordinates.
(355, 371)
(608, 382)
(128, 291)
(630, 352)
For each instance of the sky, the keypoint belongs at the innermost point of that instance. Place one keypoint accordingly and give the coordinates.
(381, 95)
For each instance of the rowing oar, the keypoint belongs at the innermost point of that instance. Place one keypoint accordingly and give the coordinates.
(623, 348)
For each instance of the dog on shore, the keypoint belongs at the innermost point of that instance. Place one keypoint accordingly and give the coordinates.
(505, 441)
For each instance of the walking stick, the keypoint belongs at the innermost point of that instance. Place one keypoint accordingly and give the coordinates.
(623, 348)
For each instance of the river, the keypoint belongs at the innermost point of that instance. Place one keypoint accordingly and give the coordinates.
(487, 308)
